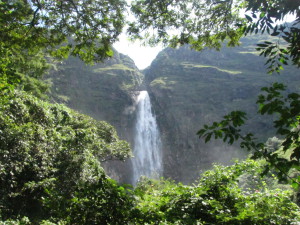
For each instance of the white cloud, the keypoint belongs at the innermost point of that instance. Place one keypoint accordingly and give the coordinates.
(141, 55)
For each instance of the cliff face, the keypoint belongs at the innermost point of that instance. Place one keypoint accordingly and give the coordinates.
(105, 91)
(189, 89)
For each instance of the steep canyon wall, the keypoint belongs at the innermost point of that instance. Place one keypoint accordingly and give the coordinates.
(190, 89)
(187, 89)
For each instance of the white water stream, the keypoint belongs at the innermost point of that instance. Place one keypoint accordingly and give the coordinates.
(147, 159)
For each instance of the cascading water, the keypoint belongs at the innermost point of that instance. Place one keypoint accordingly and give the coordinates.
(147, 159)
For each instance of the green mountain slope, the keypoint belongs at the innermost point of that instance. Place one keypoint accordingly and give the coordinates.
(190, 89)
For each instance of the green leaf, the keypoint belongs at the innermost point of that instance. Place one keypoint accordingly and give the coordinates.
(208, 137)
(249, 18)
(275, 33)
(262, 45)
(110, 53)
(295, 185)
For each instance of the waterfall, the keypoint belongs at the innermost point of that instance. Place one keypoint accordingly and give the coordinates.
(147, 159)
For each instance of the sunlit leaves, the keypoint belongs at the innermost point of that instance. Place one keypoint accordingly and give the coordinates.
(224, 195)
(287, 124)
(208, 23)
(199, 23)
(87, 26)
(31, 31)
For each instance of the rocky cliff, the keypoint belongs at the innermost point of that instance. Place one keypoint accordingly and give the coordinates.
(190, 89)
(187, 88)
(105, 91)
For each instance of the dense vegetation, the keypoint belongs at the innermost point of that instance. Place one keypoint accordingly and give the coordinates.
(224, 195)
(50, 171)
(50, 164)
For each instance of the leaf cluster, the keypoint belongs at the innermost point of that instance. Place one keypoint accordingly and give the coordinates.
(81, 28)
(208, 23)
(199, 23)
(32, 33)
(264, 16)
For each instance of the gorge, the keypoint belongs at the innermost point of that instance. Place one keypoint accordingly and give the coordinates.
(187, 90)
(198, 137)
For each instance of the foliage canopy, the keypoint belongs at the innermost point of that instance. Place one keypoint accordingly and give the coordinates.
(33, 31)
(50, 161)
(50, 156)
(224, 195)
(208, 23)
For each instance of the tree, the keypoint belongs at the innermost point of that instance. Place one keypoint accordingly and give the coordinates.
(31, 31)
(81, 28)
(50, 165)
(50, 155)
